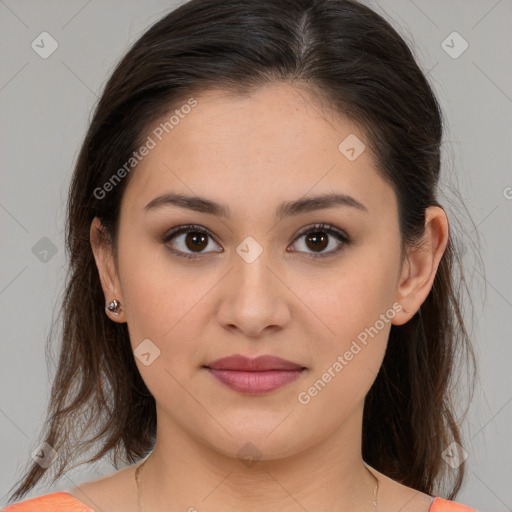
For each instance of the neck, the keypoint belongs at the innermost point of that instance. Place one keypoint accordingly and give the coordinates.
(191, 476)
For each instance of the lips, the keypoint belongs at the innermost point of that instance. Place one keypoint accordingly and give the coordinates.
(254, 375)
(257, 364)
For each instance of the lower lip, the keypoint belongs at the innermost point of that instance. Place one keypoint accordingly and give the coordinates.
(255, 383)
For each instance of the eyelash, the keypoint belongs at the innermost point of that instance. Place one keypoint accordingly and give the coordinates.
(326, 228)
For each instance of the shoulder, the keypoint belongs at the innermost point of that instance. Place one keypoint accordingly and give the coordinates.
(396, 496)
(53, 502)
(442, 505)
(113, 492)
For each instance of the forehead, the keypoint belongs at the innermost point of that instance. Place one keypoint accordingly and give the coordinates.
(273, 144)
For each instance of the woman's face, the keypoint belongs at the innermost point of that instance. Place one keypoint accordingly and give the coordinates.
(255, 287)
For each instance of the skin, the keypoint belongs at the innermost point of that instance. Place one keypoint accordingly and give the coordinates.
(251, 153)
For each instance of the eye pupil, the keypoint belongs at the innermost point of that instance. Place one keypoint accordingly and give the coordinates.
(319, 240)
(196, 240)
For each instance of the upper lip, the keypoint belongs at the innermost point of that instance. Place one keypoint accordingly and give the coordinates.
(256, 364)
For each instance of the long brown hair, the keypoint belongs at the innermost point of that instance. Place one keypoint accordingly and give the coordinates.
(346, 54)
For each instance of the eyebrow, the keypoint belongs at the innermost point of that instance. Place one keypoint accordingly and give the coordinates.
(285, 209)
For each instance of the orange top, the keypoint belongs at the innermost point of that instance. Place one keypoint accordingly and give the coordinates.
(53, 502)
(64, 502)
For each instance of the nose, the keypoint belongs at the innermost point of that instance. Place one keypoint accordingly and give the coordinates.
(254, 297)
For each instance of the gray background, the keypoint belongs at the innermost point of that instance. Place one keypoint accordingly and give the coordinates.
(45, 106)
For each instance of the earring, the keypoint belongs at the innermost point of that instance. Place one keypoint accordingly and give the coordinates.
(412, 314)
(114, 307)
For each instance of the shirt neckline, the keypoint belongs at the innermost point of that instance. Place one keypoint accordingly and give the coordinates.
(89, 509)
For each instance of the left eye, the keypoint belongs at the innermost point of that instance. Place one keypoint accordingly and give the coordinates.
(318, 237)
(196, 239)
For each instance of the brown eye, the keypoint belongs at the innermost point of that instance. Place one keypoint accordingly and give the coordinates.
(191, 241)
(188, 238)
(317, 238)
(196, 240)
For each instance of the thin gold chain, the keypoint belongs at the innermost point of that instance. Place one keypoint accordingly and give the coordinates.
(139, 494)
(376, 492)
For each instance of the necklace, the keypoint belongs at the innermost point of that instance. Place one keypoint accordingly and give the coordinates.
(139, 496)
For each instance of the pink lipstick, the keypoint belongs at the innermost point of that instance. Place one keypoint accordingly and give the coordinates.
(254, 375)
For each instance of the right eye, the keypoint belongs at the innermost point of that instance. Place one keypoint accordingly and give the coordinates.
(196, 237)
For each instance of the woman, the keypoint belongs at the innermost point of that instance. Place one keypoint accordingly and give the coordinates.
(261, 311)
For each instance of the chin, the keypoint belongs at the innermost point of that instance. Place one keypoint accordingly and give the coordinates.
(250, 449)
(259, 438)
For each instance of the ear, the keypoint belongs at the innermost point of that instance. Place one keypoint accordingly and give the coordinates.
(107, 270)
(421, 265)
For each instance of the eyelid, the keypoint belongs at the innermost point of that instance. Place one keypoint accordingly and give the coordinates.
(185, 228)
(329, 228)
(337, 233)
(332, 231)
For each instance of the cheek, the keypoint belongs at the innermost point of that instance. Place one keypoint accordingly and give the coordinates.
(165, 304)
(148, 283)
(161, 323)
(347, 359)
(350, 299)
(153, 293)
(353, 311)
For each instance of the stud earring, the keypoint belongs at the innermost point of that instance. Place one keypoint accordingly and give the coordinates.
(114, 307)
